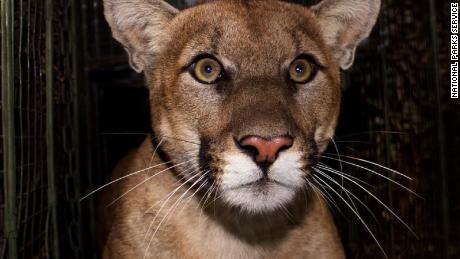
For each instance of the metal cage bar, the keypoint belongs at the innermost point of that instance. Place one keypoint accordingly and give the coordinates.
(52, 227)
(440, 130)
(10, 229)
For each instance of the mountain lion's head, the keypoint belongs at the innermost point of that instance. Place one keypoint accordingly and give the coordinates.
(245, 92)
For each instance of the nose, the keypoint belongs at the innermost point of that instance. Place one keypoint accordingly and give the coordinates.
(265, 149)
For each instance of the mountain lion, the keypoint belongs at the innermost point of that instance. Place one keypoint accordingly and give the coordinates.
(244, 97)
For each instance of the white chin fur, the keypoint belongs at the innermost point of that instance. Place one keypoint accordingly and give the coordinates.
(252, 200)
(240, 171)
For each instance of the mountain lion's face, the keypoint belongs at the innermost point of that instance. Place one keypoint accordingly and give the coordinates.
(245, 94)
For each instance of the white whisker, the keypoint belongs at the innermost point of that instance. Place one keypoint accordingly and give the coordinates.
(207, 195)
(170, 210)
(332, 170)
(155, 151)
(187, 172)
(338, 154)
(347, 191)
(355, 212)
(178, 139)
(372, 163)
(144, 181)
(383, 204)
(168, 197)
(287, 213)
(326, 195)
(193, 194)
(341, 176)
(376, 173)
(121, 178)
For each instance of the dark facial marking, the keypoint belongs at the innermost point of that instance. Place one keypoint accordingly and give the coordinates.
(205, 159)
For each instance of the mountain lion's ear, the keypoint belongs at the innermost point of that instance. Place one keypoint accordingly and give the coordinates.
(139, 25)
(344, 24)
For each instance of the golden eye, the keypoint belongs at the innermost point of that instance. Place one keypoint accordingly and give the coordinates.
(207, 70)
(301, 71)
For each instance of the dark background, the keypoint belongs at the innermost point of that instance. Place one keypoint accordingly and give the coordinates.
(71, 108)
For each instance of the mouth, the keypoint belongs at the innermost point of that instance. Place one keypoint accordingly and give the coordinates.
(245, 185)
(262, 184)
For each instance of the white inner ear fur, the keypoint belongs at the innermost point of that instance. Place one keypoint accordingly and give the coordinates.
(346, 23)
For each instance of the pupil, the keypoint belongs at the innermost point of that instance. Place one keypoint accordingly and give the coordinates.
(208, 69)
(299, 69)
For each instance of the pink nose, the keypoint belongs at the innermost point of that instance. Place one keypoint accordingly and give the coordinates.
(267, 149)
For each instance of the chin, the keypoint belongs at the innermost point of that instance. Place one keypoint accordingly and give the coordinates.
(259, 198)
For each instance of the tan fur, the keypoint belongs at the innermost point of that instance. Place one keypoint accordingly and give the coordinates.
(194, 234)
(255, 41)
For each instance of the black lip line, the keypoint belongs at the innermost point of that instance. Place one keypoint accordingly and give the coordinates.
(258, 181)
(306, 168)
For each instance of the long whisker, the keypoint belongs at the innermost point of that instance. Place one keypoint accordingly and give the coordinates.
(184, 174)
(155, 151)
(370, 162)
(359, 180)
(326, 195)
(317, 178)
(342, 189)
(171, 209)
(144, 181)
(176, 203)
(193, 194)
(347, 191)
(332, 170)
(338, 154)
(169, 196)
(121, 178)
(214, 202)
(341, 176)
(383, 204)
(376, 173)
(146, 133)
(288, 214)
(215, 199)
(179, 139)
(207, 194)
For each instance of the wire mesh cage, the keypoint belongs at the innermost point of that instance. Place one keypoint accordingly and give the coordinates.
(24, 121)
(39, 121)
(394, 94)
(64, 77)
